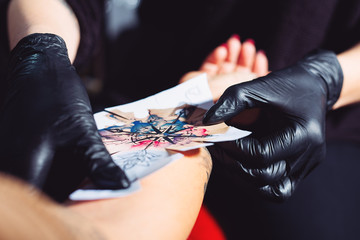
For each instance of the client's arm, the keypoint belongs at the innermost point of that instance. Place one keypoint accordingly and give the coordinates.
(165, 208)
(27, 214)
(231, 63)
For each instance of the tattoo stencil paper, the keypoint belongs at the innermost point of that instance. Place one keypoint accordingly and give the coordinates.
(175, 129)
(142, 141)
(142, 145)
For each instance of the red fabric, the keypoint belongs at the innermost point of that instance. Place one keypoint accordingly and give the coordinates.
(206, 227)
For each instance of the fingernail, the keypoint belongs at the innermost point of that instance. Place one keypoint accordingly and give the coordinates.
(236, 36)
(250, 40)
(262, 52)
(224, 45)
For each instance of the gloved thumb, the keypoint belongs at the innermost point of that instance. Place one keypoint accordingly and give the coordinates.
(235, 99)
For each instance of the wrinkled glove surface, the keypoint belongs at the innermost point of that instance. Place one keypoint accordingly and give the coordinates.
(288, 138)
(48, 134)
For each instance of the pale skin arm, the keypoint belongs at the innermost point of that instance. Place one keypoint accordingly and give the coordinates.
(349, 61)
(27, 214)
(166, 207)
(43, 16)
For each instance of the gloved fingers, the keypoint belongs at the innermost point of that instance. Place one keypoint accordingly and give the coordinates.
(262, 151)
(276, 182)
(235, 99)
(109, 176)
(79, 132)
(268, 175)
(36, 168)
(30, 162)
(66, 174)
(296, 171)
(279, 191)
(257, 176)
(102, 170)
(274, 172)
(69, 169)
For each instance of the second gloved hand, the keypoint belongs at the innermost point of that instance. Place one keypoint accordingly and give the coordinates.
(48, 134)
(288, 140)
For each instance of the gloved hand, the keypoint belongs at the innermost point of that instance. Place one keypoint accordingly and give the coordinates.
(48, 134)
(288, 140)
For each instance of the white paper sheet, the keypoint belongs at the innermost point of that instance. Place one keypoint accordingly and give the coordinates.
(140, 162)
(90, 192)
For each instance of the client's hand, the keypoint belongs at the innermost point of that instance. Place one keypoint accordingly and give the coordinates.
(49, 136)
(231, 63)
(288, 140)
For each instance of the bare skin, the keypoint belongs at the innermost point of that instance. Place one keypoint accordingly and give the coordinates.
(166, 207)
(27, 214)
(231, 63)
(43, 16)
(349, 61)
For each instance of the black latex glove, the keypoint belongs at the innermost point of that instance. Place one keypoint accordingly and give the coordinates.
(48, 134)
(288, 140)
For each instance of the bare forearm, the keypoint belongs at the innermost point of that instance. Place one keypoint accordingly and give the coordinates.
(350, 63)
(165, 208)
(43, 16)
(28, 214)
